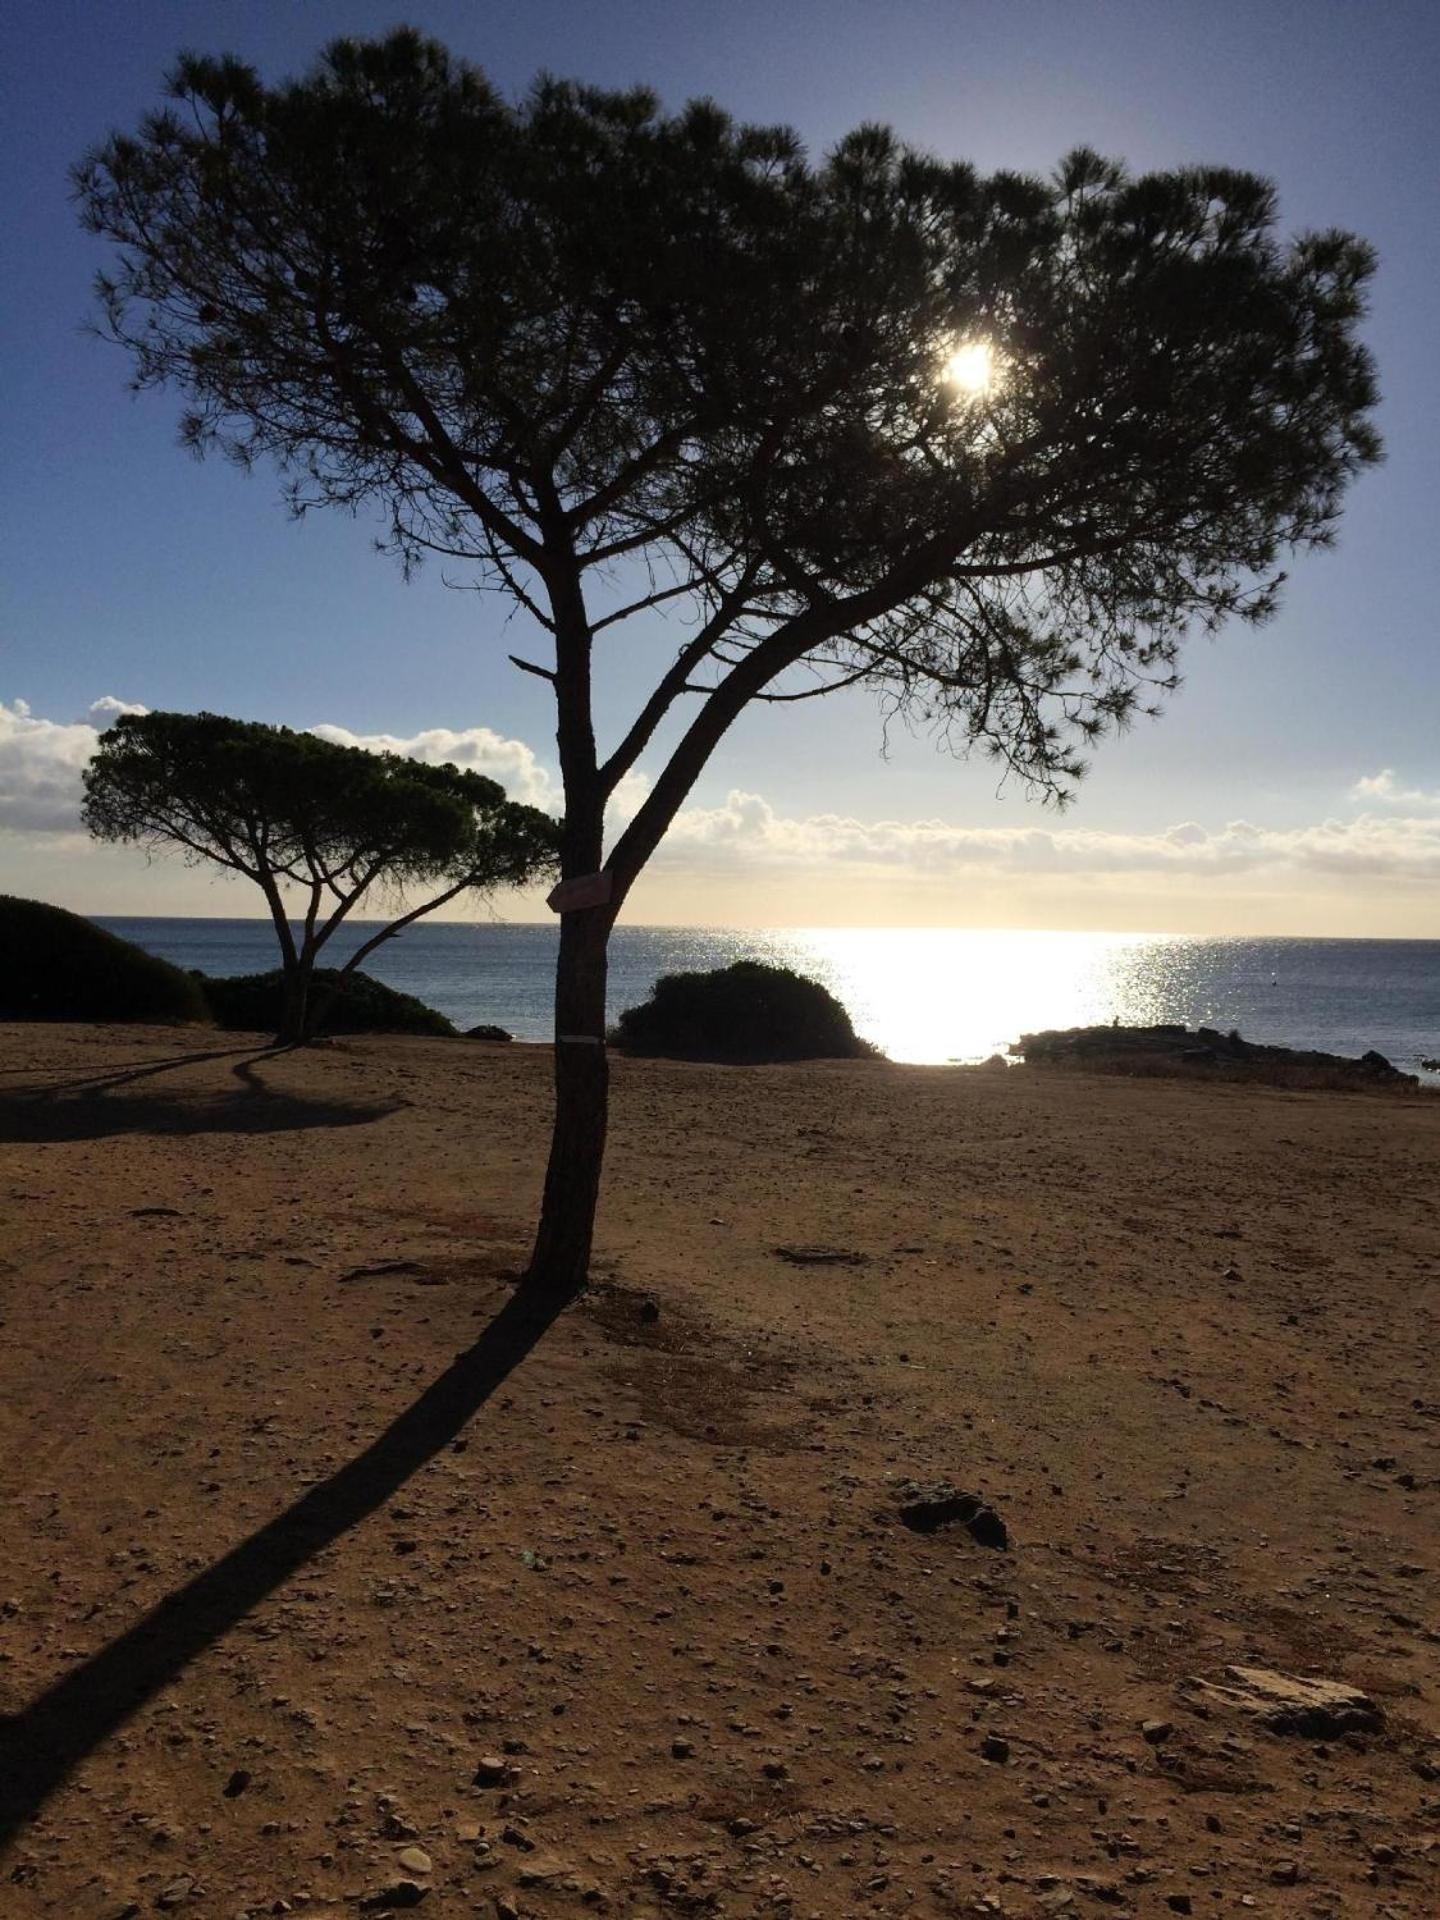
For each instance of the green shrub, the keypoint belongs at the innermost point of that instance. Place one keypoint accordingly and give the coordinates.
(744, 1013)
(56, 965)
(346, 1003)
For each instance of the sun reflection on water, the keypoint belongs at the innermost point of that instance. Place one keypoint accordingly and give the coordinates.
(934, 995)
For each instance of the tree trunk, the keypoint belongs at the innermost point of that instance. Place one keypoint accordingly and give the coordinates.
(294, 1006)
(560, 1262)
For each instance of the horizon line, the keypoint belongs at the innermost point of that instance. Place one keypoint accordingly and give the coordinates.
(732, 927)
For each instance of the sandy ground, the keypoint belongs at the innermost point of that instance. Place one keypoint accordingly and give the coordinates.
(300, 1613)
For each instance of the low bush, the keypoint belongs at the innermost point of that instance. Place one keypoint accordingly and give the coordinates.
(741, 1014)
(56, 965)
(345, 1003)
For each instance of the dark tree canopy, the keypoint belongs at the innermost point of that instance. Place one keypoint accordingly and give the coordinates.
(288, 810)
(618, 359)
(580, 321)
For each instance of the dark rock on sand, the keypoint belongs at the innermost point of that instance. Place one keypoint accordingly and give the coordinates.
(931, 1509)
(403, 1893)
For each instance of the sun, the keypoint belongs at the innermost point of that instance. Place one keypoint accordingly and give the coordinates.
(970, 367)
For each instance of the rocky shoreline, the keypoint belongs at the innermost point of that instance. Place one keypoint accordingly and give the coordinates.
(1206, 1053)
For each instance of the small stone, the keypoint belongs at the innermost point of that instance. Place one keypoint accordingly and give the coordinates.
(492, 1771)
(817, 1256)
(1156, 1732)
(1285, 1873)
(992, 1747)
(541, 1871)
(237, 1783)
(1179, 1903)
(681, 1749)
(415, 1860)
(402, 1893)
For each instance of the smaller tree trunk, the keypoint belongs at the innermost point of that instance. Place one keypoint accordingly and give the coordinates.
(560, 1262)
(294, 1005)
(318, 1002)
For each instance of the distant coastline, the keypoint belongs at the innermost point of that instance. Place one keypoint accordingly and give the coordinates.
(921, 995)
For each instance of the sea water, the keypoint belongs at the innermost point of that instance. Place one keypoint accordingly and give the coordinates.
(927, 995)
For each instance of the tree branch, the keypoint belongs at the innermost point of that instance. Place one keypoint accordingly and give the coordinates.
(529, 666)
(672, 684)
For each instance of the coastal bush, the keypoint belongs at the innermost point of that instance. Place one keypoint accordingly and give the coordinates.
(344, 1003)
(744, 1014)
(60, 966)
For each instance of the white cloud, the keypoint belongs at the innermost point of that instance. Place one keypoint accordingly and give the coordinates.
(747, 831)
(105, 711)
(516, 766)
(628, 798)
(479, 749)
(41, 762)
(1386, 788)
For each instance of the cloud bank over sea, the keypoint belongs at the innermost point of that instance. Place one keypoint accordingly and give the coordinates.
(1389, 832)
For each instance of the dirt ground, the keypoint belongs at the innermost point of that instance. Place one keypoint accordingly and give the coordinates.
(299, 1612)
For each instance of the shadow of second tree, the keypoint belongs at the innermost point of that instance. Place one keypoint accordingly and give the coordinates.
(96, 1109)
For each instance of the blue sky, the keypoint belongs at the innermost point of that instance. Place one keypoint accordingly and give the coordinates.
(130, 571)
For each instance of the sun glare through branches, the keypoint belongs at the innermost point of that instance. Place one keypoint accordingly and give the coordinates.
(971, 368)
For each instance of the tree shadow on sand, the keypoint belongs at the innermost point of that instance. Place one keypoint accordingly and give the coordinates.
(42, 1745)
(85, 1081)
(95, 1109)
